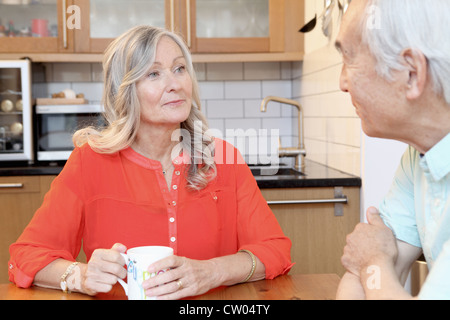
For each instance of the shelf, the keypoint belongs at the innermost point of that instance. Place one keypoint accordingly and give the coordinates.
(11, 93)
(247, 57)
(197, 58)
(11, 113)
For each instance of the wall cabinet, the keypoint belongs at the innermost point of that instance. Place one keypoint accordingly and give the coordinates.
(28, 28)
(317, 234)
(235, 26)
(208, 26)
(20, 197)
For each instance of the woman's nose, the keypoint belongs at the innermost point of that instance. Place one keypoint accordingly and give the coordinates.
(173, 83)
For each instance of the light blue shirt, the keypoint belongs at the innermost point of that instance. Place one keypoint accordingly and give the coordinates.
(417, 209)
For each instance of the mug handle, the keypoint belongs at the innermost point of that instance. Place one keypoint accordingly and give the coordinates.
(123, 283)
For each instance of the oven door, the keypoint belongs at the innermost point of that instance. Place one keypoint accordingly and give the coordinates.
(15, 111)
(56, 125)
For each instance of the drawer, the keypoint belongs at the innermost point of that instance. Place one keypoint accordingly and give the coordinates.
(19, 184)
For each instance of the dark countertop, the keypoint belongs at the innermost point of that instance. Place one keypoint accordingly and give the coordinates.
(314, 175)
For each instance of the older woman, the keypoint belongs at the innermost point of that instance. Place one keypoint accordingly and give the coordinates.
(135, 183)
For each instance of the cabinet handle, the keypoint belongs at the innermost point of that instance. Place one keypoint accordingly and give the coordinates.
(314, 201)
(11, 185)
(64, 24)
(339, 200)
(188, 18)
(172, 16)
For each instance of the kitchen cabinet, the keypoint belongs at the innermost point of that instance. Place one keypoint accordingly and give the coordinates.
(104, 20)
(35, 27)
(208, 26)
(71, 26)
(317, 233)
(235, 26)
(80, 30)
(20, 197)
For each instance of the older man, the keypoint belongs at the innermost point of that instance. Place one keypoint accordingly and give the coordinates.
(396, 67)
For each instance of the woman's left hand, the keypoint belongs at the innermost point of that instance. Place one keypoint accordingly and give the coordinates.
(184, 278)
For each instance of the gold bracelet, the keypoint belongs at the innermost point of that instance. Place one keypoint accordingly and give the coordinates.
(63, 283)
(253, 264)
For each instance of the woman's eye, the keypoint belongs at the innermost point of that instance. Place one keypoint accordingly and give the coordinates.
(180, 69)
(153, 74)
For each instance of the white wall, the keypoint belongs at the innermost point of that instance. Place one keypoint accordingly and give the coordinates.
(379, 161)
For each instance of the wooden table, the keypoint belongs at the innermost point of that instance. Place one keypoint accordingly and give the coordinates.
(289, 287)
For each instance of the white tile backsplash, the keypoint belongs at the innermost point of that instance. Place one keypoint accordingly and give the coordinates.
(284, 126)
(224, 71)
(71, 72)
(243, 90)
(45, 90)
(277, 88)
(92, 91)
(211, 90)
(244, 124)
(252, 109)
(225, 109)
(262, 71)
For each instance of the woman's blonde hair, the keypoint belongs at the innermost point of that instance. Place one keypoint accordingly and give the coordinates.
(126, 60)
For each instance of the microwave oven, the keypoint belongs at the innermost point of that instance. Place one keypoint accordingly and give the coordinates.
(16, 133)
(56, 124)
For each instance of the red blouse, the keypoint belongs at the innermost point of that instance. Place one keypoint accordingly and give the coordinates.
(99, 200)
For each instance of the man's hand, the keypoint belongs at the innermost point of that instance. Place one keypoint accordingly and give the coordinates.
(369, 244)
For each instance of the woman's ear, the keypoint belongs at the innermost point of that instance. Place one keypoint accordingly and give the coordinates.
(417, 65)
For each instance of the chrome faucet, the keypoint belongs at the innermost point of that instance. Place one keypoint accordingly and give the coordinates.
(299, 153)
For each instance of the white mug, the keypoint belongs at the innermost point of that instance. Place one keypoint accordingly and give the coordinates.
(138, 259)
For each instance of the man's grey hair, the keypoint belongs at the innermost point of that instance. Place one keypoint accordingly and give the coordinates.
(390, 26)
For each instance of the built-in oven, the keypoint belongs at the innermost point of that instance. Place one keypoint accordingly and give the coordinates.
(56, 124)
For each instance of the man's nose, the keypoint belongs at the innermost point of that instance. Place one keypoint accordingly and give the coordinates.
(343, 81)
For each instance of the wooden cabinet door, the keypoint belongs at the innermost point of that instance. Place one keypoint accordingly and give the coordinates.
(317, 234)
(104, 20)
(233, 26)
(38, 28)
(20, 197)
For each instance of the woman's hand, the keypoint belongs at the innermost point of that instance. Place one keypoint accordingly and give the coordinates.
(103, 270)
(184, 278)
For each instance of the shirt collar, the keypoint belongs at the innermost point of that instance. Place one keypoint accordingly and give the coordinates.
(145, 162)
(438, 159)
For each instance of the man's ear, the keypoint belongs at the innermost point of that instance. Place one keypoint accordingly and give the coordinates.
(417, 65)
